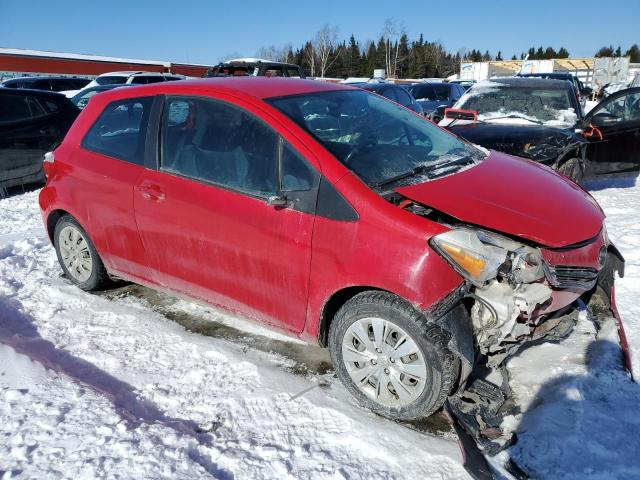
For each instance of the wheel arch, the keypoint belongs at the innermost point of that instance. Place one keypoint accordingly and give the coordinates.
(52, 220)
(333, 304)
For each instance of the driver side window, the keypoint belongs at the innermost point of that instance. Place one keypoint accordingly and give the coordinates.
(624, 108)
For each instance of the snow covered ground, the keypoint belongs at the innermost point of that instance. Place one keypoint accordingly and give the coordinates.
(114, 385)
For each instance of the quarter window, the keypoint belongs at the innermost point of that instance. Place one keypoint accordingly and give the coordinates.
(214, 142)
(120, 130)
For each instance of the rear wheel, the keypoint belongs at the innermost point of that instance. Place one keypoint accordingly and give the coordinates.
(389, 358)
(77, 255)
(573, 169)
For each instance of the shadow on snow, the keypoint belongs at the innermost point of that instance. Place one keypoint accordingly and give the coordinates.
(18, 332)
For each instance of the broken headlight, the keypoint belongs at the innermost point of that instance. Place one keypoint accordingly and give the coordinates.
(480, 256)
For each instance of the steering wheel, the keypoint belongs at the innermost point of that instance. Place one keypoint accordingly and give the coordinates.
(369, 140)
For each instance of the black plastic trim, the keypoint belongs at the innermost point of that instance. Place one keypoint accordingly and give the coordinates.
(332, 205)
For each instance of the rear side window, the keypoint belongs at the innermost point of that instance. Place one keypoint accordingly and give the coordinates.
(13, 108)
(120, 130)
(111, 80)
(143, 80)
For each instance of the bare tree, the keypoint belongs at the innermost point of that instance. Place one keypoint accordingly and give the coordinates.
(325, 45)
(310, 56)
(391, 32)
(267, 53)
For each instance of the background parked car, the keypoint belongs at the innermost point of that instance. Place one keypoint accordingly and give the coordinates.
(583, 92)
(255, 67)
(541, 120)
(392, 92)
(52, 84)
(134, 78)
(81, 98)
(31, 122)
(435, 97)
(466, 84)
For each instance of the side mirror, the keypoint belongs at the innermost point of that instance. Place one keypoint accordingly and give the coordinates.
(604, 119)
(278, 201)
(460, 114)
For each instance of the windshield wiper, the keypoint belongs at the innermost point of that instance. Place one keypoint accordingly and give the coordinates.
(425, 169)
(420, 169)
(515, 116)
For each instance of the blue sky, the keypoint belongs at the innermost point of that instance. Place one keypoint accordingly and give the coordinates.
(207, 31)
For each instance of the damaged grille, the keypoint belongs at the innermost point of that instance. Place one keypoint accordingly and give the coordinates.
(563, 276)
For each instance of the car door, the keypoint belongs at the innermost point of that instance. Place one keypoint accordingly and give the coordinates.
(107, 167)
(613, 131)
(214, 218)
(24, 132)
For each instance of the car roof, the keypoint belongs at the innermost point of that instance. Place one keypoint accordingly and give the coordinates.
(524, 82)
(130, 73)
(446, 84)
(547, 75)
(238, 62)
(374, 86)
(257, 87)
(33, 92)
(35, 79)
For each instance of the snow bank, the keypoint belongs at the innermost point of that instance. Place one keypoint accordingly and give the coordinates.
(106, 386)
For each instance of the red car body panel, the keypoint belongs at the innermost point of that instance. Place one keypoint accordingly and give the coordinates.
(515, 196)
(281, 266)
(278, 266)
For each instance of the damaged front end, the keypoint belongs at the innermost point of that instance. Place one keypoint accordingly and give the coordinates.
(514, 294)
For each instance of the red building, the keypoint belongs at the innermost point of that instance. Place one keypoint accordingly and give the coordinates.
(16, 62)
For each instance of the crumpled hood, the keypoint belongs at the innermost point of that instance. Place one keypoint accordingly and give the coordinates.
(517, 197)
(529, 141)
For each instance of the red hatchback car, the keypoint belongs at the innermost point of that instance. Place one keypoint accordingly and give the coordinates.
(333, 214)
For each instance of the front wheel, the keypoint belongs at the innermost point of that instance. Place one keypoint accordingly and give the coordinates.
(573, 169)
(389, 358)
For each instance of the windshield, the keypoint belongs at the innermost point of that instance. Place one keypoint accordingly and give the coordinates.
(375, 138)
(502, 103)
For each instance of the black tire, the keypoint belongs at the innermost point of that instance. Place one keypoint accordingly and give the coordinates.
(99, 277)
(573, 169)
(443, 366)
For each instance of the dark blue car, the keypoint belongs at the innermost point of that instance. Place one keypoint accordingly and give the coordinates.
(431, 96)
(392, 92)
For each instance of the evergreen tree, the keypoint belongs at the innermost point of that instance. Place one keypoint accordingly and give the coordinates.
(633, 53)
(499, 56)
(403, 56)
(562, 53)
(353, 58)
(618, 52)
(605, 52)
